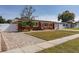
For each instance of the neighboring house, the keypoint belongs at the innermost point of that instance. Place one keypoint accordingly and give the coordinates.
(76, 24)
(63, 25)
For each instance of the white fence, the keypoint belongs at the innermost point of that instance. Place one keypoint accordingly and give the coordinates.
(8, 27)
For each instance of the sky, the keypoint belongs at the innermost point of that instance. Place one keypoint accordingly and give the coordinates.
(43, 12)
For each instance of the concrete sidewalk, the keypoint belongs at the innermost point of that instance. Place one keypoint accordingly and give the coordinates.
(0, 42)
(69, 30)
(43, 45)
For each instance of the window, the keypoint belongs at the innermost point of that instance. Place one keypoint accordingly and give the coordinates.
(45, 24)
(66, 24)
(63, 24)
(50, 24)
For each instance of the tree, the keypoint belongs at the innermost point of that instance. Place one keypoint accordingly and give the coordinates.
(66, 16)
(28, 14)
(8, 21)
(2, 20)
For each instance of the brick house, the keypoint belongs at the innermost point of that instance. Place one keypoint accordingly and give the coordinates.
(44, 25)
(38, 24)
(41, 25)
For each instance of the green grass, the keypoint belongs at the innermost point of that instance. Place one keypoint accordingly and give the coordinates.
(68, 47)
(50, 35)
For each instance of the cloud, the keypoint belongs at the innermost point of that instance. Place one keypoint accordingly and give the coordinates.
(76, 18)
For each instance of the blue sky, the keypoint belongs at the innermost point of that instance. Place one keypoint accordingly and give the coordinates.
(43, 12)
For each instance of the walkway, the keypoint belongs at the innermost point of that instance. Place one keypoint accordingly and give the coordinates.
(69, 30)
(43, 45)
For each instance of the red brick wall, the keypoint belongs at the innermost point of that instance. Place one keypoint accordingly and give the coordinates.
(41, 25)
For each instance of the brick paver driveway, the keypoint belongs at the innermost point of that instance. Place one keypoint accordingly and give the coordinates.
(15, 40)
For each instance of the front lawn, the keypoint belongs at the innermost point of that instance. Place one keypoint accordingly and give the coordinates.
(68, 47)
(50, 35)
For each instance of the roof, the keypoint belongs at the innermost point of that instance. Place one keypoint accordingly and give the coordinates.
(24, 19)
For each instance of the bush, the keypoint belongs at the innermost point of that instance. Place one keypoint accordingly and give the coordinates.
(25, 26)
(23, 23)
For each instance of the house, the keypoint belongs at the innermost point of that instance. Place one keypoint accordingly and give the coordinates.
(63, 25)
(42, 25)
(76, 24)
(39, 25)
(45, 25)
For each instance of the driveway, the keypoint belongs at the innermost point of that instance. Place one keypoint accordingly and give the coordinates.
(44, 45)
(15, 40)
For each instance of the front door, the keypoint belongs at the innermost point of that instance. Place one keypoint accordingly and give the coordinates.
(53, 26)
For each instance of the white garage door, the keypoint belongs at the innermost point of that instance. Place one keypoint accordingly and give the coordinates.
(8, 27)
